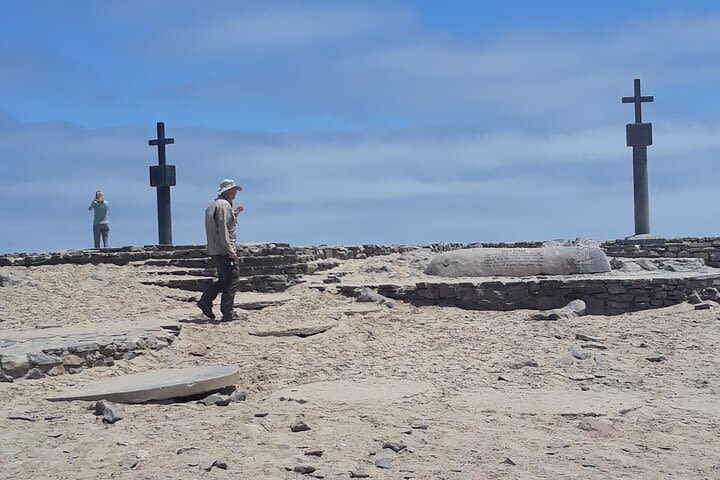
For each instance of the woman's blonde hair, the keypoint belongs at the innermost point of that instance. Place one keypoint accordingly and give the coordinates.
(99, 196)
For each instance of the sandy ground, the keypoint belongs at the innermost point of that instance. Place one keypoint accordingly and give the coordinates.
(369, 380)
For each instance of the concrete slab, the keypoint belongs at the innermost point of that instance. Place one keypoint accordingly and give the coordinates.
(156, 385)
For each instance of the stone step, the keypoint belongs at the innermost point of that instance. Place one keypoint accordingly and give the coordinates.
(207, 269)
(257, 283)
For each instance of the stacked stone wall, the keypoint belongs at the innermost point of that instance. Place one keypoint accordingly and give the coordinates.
(602, 296)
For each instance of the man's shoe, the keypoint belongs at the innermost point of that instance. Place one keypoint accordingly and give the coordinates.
(206, 310)
(234, 316)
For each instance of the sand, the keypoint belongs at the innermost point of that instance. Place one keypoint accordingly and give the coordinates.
(437, 380)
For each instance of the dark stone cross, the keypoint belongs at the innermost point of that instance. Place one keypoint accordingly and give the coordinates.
(162, 176)
(639, 137)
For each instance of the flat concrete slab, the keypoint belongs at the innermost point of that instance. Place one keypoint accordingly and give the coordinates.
(156, 385)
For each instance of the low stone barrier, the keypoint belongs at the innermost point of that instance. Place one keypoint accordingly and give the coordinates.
(705, 248)
(58, 352)
(603, 296)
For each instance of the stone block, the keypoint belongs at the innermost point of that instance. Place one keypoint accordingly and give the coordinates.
(15, 366)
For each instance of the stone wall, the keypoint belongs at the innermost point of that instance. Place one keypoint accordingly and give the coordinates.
(281, 253)
(607, 296)
(705, 248)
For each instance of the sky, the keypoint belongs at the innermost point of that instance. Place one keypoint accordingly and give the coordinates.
(357, 122)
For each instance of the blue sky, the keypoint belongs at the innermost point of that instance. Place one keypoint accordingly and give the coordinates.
(357, 122)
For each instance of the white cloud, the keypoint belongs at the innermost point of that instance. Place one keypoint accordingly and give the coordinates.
(283, 29)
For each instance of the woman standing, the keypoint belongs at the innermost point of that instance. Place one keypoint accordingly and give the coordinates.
(101, 224)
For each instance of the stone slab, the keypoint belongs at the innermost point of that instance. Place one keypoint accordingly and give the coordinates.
(156, 385)
(547, 260)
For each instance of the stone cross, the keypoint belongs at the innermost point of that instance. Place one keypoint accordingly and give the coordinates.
(162, 176)
(639, 137)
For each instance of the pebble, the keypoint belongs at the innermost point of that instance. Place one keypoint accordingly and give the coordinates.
(523, 363)
(216, 399)
(298, 425)
(354, 474)
(383, 463)
(110, 412)
(596, 425)
(508, 461)
(304, 469)
(129, 463)
(597, 345)
(565, 361)
(656, 358)
(580, 354)
(588, 338)
(396, 447)
(314, 452)
(238, 396)
(558, 443)
(702, 306)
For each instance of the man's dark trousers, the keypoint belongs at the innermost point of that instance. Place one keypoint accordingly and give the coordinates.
(227, 284)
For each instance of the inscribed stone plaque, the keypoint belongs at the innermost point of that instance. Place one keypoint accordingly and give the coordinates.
(548, 260)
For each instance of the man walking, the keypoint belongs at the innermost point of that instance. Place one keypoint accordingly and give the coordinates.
(220, 228)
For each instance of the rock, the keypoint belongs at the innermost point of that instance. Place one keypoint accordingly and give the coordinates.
(508, 461)
(110, 412)
(385, 463)
(314, 452)
(597, 345)
(647, 265)
(8, 279)
(630, 379)
(601, 360)
(72, 361)
(588, 338)
(558, 443)
(390, 303)
(35, 373)
(702, 306)
(15, 366)
(298, 425)
(197, 350)
(581, 377)
(575, 308)
(395, 446)
(261, 414)
(523, 363)
(216, 399)
(694, 298)
(56, 370)
(580, 354)
(185, 449)
(368, 295)
(656, 358)
(360, 256)
(565, 361)
(238, 396)
(208, 464)
(129, 463)
(419, 426)
(221, 464)
(6, 378)
(354, 474)
(711, 293)
(42, 361)
(304, 469)
(596, 425)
